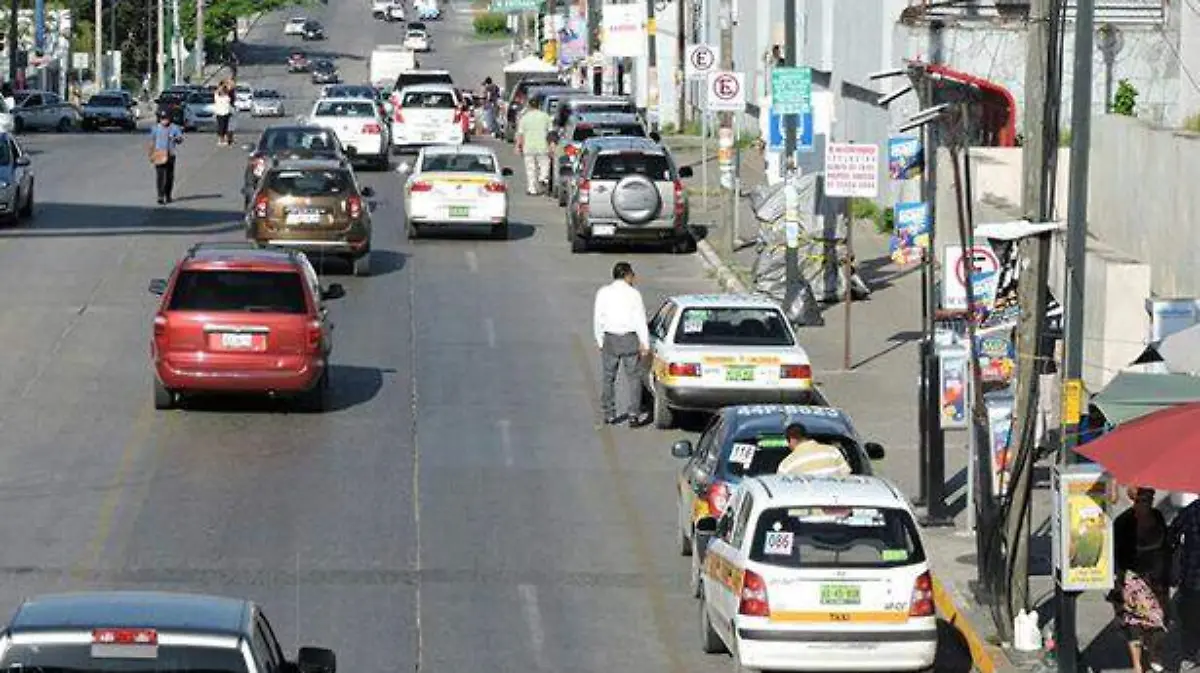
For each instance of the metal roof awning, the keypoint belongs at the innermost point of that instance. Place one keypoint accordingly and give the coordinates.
(1132, 395)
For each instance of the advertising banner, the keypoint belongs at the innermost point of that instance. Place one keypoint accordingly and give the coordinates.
(1082, 528)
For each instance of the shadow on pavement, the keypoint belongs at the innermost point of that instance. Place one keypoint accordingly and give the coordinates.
(85, 219)
(351, 386)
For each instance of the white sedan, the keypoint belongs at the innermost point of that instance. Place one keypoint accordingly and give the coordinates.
(358, 125)
(416, 40)
(456, 186)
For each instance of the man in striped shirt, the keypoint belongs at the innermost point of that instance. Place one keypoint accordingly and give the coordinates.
(811, 457)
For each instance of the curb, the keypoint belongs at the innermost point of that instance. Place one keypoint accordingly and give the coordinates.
(985, 657)
(726, 278)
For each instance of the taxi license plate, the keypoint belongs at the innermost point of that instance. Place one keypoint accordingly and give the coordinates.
(603, 230)
(840, 594)
(304, 218)
(460, 211)
(741, 373)
(235, 341)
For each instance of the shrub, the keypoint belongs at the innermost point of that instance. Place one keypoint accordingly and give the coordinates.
(491, 23)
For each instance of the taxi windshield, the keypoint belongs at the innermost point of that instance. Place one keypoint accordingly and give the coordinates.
(836, 537)
(733, 327)
(44, 658)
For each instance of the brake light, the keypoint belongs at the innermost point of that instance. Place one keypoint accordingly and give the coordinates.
(795, 372)
(754, 601)
(678, 199)
(372, 129)
(681, 369)
(585, 192)
(922, 597)
(315, 335)
(571, 151)
(495, 187)
(259, 166)
(421, 186)
(354, 207)
(260, 206)
(717, 497)
(124, 637)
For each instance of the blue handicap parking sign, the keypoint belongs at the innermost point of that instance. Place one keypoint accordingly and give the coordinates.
(804, 132)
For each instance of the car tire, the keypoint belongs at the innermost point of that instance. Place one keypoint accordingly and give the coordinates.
(411, 230)
(664, 416)
(362, 265)
(500, 231)
(26, 209)
(164, 398)
(63, 125)
(710, 642)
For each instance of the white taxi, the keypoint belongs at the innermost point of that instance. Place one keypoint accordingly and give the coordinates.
(817, 573)
(416, 40)
(715, 350)
(427, 114)
(456, 186)
(358, 125)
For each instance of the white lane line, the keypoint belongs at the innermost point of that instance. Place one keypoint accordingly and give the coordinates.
(505, 427)
(533, 615)
(472, 261)
(489, 330)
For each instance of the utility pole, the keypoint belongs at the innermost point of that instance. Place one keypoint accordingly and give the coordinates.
(680, 56)
(98, 70)
(652, 63)
(12, 43)
(1077, 225)
(199, 48)
(161, 57)
(1041, 136)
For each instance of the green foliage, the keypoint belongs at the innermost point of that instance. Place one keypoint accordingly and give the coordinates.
(491, 24)
(1125, 99)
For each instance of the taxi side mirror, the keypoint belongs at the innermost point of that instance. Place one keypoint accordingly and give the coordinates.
(874, 450)
(682, 449)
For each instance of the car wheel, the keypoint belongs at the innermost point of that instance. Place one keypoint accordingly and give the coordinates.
(710, 642)
(27, 206)
(500, 231)
(664, 416)
(64, 125)
(362, 265)
(163, 398)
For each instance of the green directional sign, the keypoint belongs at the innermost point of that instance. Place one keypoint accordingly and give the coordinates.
(516, 6)
(791, 90)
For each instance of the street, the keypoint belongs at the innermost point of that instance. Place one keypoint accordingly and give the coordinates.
(458, 508)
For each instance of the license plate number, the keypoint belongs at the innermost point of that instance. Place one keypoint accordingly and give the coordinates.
(460, 211)
(303, 218)
(840, 594)
(604, 230)
(237, 342)
(739, 374)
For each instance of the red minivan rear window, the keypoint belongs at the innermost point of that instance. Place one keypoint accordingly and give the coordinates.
(239, 291)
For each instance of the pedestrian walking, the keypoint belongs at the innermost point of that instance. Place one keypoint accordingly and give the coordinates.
(165, 137)
(808, 456)
(1142, 550)
(223, 111)
(619, 323)
(1184, 536)
(533, 145)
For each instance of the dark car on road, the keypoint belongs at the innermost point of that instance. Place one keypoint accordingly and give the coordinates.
(148, 632)
(287, 142)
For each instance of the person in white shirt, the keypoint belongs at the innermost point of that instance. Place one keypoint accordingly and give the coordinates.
(623, 338)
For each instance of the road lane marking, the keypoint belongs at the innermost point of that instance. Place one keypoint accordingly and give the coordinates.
(655, 594)
(472, 261)
(489, 330)
(505, 427)
(533, 617)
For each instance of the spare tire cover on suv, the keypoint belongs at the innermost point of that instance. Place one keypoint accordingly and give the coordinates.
(635, 199)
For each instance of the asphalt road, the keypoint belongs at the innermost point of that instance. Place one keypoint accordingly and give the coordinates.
(458, 509)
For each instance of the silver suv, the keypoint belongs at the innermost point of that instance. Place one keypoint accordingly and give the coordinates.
(628, 189)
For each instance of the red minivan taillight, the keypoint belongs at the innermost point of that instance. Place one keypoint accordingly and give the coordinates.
(922, 597)
(260, 206)
(754, 601)
(354, 207)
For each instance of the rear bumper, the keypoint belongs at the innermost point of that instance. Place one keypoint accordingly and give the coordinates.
(296, 379)
(704, 399)
(769, 649)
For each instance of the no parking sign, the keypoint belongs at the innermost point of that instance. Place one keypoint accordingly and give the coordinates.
(981, 265)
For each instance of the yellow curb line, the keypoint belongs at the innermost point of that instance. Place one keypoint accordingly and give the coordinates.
(981, 651)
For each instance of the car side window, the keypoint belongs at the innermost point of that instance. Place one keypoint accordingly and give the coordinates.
(742, 520)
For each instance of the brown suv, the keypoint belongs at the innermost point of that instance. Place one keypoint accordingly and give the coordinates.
(313, 205)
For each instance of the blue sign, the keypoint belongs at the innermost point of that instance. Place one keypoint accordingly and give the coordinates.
(777, 133)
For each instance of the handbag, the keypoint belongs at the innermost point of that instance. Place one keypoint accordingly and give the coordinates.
(159, 157)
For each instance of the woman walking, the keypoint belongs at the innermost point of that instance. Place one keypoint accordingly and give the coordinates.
(1142, 552)
(223, 110)
(164, 138)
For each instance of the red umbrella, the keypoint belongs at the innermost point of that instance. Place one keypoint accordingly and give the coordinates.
(1160, 450)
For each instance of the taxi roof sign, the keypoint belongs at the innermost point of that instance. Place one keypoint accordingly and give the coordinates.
(124, 643)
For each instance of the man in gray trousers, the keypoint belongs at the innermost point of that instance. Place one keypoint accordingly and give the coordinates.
(624, 342)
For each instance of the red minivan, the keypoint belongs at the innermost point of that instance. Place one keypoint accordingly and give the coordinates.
(239, 318)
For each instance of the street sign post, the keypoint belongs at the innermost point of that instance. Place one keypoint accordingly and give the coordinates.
(791, 90)
(701, 60)
(726, 92)
(852, 170)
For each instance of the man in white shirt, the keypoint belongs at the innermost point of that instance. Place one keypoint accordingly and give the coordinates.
(619, 322)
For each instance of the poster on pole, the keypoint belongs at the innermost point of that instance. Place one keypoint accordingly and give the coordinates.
(852, 170)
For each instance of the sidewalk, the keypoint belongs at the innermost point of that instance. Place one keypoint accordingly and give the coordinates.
(879, 392)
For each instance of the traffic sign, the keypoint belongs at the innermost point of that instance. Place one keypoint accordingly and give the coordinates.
(701, 59)
(852, 170)
(777, 133)
(791, 90)
(984, 272)
(726, 91)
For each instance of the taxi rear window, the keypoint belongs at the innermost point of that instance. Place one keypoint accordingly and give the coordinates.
(51, 658)
(761, 455)
(836, 537)
(733, 327)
